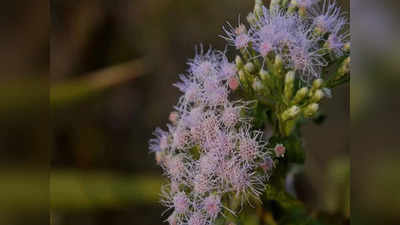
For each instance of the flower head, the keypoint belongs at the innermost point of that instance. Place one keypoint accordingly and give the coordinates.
(212, 205)
(160, 143)
(181, 203)
(237, 36)
(280, 150)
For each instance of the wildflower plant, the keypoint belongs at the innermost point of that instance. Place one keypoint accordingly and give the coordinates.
(224, 152)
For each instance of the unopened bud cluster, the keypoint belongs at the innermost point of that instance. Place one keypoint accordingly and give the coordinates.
(288, 46)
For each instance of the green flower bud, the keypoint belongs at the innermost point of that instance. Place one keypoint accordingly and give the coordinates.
(317, 84)
(278, 62)
(258, 11)
(289, 78)
(257, 85)
(249, 67)
(252, 19)
(290, 113)
(302, 12)
(258, 8)
(292, 6)
(259, 2)
(347, 47)
(284, 3)
(300, 94)
(274, 4)
(264, 75)
(310, 110)
(318, 95)
(344, 68)
(289, 83)
(239, 61)
(242, 76)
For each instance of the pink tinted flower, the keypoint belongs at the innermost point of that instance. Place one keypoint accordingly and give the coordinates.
(160, 143)
(248, 149)
(264, 48)
(228, 70)
(230, 116)
(197, 219)
(267, 165)
(201, 184)
(218, 96)
(212, 205)
(207, 163)
(238, 36)
(173, 219)
(179, 138)
(181, 202)
(242, 40)
(327, 17)
(233, 83)
(175, 166)
(173, 117)
(280, 150)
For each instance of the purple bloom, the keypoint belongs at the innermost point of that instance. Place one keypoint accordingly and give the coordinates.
(326, 18)
(227, 153)
(212, 205)
(237, 37)
(337, 38)
(160, 143)
(181, 203)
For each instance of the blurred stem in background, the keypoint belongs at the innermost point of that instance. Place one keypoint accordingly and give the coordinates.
(66, 93)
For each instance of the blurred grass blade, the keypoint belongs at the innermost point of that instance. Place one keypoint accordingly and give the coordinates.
(69, 92)
(73, 190)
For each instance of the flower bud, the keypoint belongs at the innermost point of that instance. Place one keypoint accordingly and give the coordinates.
(233, 83)
(311, 109)
(252, 19)
(303, 12)
(275, 4)
(344, 68)
(159, 157)
(239, 61)
(289, 83)
(347, 46)
(280, 150)
(292, 6)
(264, 75)
(259, 3)
(242, 76)
(317, 84)
(318, 95)
(173, 117)
(267, 165)
(284, 3)
(249, 67)
(289, 78)
(291, 113)
(258, 11)
(257, 86)
(278, 61)
(300, 94)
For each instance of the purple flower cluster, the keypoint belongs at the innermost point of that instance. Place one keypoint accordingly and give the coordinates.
(210, 149)
(297, 39)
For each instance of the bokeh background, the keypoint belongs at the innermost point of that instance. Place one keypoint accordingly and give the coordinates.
(84, 84)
